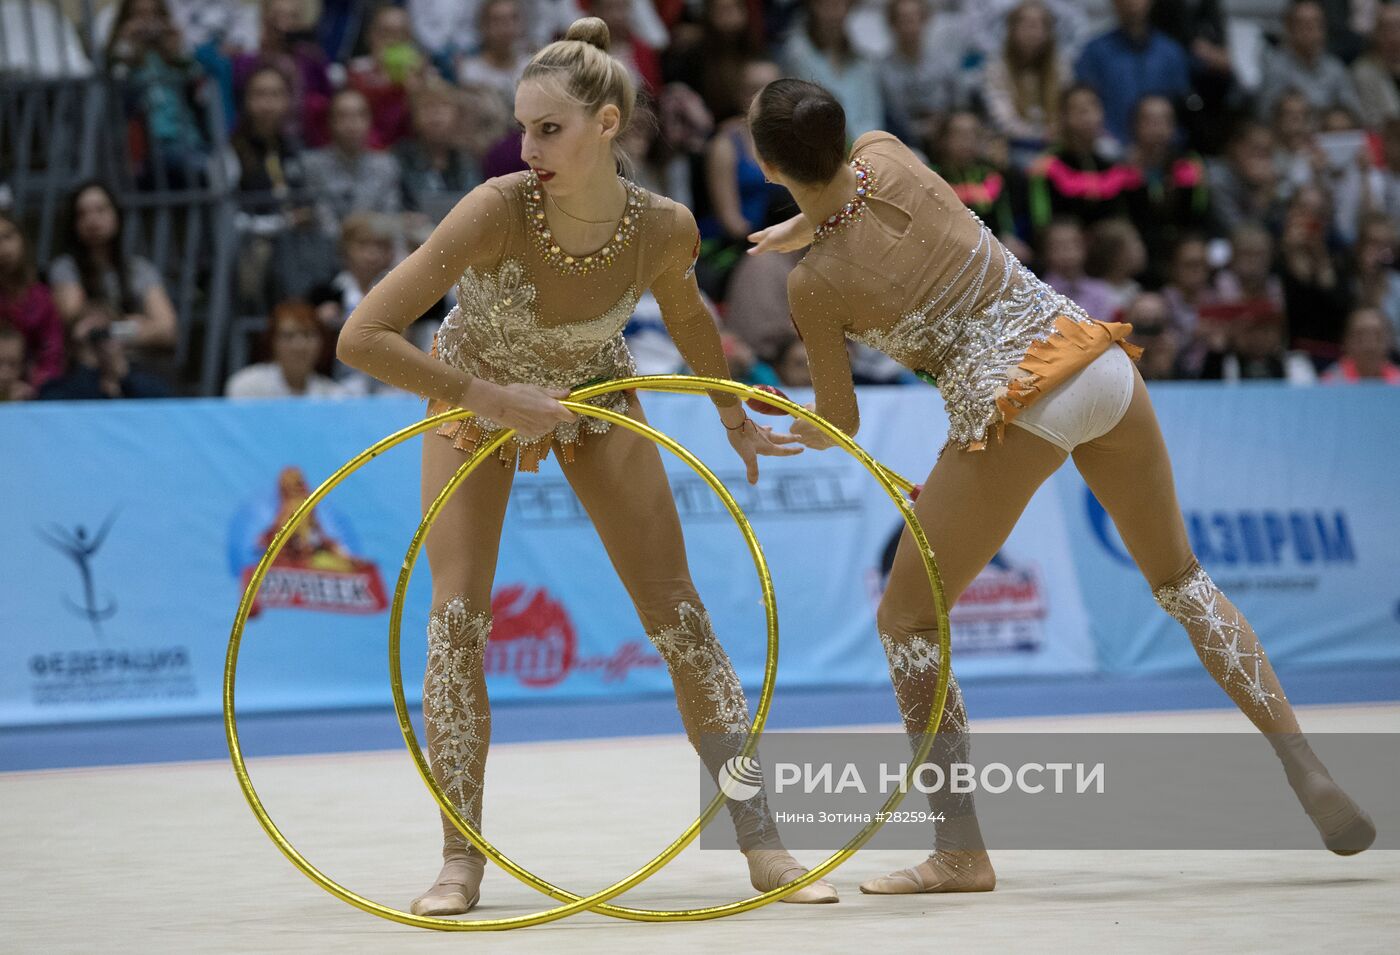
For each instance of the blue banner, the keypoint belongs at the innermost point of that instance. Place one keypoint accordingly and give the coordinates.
(1291, 503)
(130, 529)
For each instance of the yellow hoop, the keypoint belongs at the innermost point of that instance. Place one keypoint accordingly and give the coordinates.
(894, 485)
(678, 384)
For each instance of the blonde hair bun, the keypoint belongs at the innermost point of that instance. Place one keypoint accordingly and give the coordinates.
(590, 30)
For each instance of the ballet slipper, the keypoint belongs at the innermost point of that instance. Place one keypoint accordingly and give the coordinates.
(941, 872)
(1345, 827)
(457, 889)
(770, 868)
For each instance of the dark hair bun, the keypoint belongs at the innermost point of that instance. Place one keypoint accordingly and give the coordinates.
(590, 30)
(800, 128)
(818, 122)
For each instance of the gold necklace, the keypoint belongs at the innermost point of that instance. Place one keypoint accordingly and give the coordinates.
(853, 210)
(555, 202)
(580, 264)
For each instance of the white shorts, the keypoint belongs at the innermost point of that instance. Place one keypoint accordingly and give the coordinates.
(1087, 406)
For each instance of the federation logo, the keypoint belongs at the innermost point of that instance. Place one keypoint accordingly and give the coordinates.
(317, 568)
(740, 778)
(81, 546)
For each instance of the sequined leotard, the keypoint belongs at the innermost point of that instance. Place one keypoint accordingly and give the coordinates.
(916, 275)
(527, 311)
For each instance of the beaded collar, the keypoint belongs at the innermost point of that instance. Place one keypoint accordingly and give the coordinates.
(579, 264)
(853, 210)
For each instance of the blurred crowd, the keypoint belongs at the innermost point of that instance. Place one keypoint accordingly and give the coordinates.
(1230, 186)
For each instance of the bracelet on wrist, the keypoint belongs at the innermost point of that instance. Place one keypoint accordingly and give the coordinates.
(739, 426)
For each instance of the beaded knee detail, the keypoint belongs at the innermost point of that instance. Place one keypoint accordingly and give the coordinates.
(914, 668)
(699, 664)
(714, 710)
(1225, 643)
(456, 711)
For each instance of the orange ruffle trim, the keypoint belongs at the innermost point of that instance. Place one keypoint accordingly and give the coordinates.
(1051, 361)
(469, 434)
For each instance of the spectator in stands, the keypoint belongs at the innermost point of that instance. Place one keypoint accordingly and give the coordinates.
(1314, 290)
(346, 176)
(1117, 257)
(1249, 278)
(790, 364)
(98, 363)
(230, 24)
(756, 309)
(367, 251)
(1389, 201)
(281, 247)
(1297, 154)
(1081, 177)
(502, 57)
(269, 158)
(1147, 313)
(1188, 289)
(1303, 64)
(27, 308)
(739, 193)
(95, 271)
(390, 68)
(1130, 62)
(1377, 74)
(920, 84)
(161, 86)
(295, 342)
(1062, 256)
(745, 366)
(982, 185)
(1199, 27)
(983, 25)
(1355, 186)
(1375, 281)
(821, 51)
(1250, 348)
(1366, 351)
(641, 54)
(388, 75)
(436, 167)
(449, 28)
(1168, 194)
(710, 60)
(1245, 186)
(1022, 86)
(652, 160)
(738, 197)
(287, 44)
(14, 385)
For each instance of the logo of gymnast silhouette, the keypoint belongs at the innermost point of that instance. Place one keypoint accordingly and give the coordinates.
(317, 568)
(81, 546)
